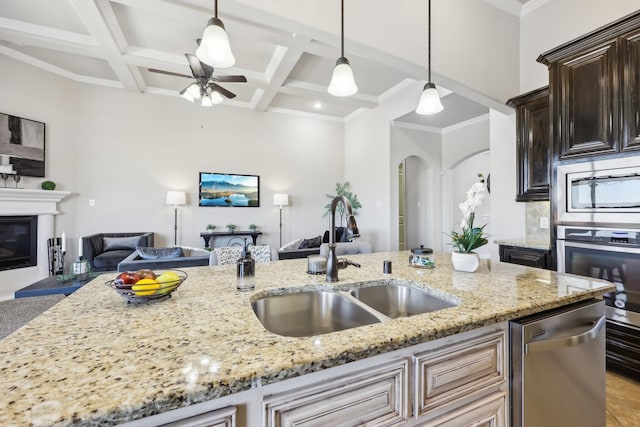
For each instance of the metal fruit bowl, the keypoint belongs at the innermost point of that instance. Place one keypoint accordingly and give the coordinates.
(163, 291)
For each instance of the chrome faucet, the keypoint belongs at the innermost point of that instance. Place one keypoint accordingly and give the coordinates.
(333, 263)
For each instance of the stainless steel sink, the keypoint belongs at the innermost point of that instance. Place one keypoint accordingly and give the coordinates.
(309, 313)
(395, 300)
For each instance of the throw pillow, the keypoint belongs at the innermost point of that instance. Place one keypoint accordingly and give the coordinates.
(314, 242)
(159, 253)
(120, 243)
(292, 245)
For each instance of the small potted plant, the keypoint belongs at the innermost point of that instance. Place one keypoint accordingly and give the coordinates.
(210, 227)
(48, 185)
(231, 227)
(253, 227)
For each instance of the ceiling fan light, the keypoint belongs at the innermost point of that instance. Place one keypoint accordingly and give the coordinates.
(429, 100)
(206, 101)
(214, 48)
(216, 97)
(342, 81)
(192, 92)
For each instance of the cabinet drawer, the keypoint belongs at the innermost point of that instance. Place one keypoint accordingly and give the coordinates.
(375, 397)
(225, 417)
(530, 257)
(488, 412)
(462, 371)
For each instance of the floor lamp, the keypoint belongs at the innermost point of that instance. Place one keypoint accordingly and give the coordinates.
(281, 200)
(176, 198)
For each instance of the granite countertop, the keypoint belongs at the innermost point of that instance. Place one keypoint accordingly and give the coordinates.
(526, 243)
(94, 360)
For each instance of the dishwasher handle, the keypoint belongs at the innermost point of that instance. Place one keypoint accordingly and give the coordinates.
(554, 344)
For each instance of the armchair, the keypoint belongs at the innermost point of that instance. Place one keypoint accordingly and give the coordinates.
(104, 251)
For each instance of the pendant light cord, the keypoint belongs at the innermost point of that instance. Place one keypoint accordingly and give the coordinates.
(215, 8)
(429, 42)
(342, 29)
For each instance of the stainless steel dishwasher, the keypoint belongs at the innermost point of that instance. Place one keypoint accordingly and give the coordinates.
(558, 367)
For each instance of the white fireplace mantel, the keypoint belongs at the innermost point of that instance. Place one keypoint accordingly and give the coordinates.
(22, 201)
(43, 203)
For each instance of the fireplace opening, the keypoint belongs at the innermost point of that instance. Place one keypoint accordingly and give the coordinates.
(18, 241)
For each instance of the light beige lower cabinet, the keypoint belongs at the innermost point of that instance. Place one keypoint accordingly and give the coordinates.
(373, 397)
(460, 380)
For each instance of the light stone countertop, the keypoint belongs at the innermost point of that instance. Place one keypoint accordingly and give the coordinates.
(526, 243)
(94, 360)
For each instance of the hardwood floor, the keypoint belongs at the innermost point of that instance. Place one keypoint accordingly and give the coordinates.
(623, 401)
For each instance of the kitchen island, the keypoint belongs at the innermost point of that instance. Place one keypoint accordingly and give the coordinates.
(95, 360)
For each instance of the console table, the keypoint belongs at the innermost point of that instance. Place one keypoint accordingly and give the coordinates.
(206, 235)
(51, 285)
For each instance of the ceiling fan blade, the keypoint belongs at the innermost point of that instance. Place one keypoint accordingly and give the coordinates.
(169, 73)
(221, 90)
(231, 79)
(198, 69)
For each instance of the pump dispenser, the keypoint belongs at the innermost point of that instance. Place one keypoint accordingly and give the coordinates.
(245, 270)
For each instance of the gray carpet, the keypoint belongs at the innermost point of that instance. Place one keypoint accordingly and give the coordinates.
(16, 312)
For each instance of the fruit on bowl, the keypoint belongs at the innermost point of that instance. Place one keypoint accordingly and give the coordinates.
(145, 285)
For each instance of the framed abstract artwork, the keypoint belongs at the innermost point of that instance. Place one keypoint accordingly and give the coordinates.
(21, 146)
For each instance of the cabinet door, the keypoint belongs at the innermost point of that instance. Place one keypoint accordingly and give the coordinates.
(376, 397)
(630, 45)
(488, 412)
(446, 377)
(225, 417)
(534, 148)
(524, 256)
(585, 102)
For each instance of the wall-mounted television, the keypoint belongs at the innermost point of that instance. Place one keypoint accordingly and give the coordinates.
(225, 189)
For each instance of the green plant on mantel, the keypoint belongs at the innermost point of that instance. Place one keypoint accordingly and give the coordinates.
(231, 227)
(253, 227)
(48, 185)
(343, 189)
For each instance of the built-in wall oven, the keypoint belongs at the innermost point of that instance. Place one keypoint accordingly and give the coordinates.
(611, 254)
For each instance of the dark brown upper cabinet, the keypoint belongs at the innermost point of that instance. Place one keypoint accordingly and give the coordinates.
(533, 145)
(594, 87)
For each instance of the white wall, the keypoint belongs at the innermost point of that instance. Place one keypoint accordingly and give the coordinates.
(557, 22)
(125, 150)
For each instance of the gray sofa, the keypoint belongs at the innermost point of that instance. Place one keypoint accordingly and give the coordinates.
(192, 257)
(105, 251)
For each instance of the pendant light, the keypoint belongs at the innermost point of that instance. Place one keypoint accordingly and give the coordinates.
(214, 48)
(342, 82)
(430, 99)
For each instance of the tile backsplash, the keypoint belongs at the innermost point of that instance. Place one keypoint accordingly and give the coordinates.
(535, 211)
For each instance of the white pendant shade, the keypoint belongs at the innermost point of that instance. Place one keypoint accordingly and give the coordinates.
(429, 100)
(214, 49)
(191, 93)
(342, 81)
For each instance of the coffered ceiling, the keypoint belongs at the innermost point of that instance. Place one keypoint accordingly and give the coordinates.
(114, 43)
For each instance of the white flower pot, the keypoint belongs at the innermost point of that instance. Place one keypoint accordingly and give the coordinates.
(465, 262)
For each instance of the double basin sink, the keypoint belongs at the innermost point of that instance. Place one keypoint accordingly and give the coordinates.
(301, 312)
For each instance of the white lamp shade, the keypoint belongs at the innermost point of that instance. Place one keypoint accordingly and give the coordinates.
(206, 101)
(214, 48)
(429, 100)
(280, 199)
(342, 82)
(176, 198)
(216, 97)
(191, 93)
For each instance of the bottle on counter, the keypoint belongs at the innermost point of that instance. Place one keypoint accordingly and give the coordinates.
(245, 270)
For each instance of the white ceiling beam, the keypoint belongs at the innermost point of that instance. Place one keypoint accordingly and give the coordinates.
(282, 62)
(305, 89)
(30, 60)
(27, 34)
(99, 18)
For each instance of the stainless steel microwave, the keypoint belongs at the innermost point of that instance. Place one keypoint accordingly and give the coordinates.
(602, 191)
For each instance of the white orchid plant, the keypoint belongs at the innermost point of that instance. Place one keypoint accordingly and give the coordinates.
(470, 237)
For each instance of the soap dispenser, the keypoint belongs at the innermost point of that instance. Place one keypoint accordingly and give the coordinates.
(246, 269)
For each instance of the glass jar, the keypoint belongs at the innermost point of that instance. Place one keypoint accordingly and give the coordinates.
(422, 257)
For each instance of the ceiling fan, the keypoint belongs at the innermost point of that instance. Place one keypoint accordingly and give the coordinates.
(204, 89)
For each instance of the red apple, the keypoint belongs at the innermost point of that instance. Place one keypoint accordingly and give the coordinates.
(126, 279)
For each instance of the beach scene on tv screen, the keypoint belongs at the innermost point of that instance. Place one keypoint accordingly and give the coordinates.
(228, 190)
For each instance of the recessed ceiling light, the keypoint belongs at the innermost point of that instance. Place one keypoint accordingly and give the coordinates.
(318, 105)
